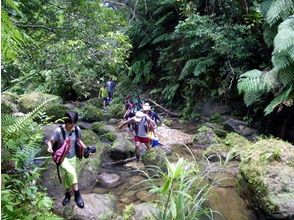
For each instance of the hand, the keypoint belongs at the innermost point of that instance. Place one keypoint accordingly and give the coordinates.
(49, 149)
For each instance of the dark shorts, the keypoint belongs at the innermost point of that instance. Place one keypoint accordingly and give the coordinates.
(141, 139)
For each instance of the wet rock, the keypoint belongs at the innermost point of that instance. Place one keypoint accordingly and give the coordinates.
(97, 207)
(241, 128)
(144, 211)
(84, 125)
(108, 180)
(205, 137)
(229, 205)
(267, 170)
(168, 136)
(121, 148)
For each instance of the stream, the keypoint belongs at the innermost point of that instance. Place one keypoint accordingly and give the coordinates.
(124, 183)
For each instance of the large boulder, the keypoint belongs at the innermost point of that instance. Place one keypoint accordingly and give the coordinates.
(97, 206)
(30, 101)
(87, 168)
(173, 137)
(267, 170)
(121, 148)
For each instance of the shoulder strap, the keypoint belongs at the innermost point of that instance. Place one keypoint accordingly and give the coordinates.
(76, 132)
(62, 131)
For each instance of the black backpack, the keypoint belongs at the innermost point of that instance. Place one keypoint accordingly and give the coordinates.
(59, 154)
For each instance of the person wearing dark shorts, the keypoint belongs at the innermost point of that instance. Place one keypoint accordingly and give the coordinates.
(142, 124)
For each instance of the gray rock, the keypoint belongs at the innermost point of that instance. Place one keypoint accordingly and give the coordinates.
(144, 210)
(108, 180)
(97, 206)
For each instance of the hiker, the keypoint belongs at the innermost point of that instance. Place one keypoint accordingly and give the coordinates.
(129, 111)
(69, 162)
(143, 123)
(153, 115)
(139, 103)
(110, 85)
(103, 94)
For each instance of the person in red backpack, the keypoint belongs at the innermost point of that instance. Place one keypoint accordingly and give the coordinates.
(69, 133)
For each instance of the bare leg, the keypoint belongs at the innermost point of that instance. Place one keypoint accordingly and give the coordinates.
(137, 152)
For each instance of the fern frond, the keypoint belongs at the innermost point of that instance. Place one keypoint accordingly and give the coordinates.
(20, 123)
(283, 97)
(285, 37)
(253, 84)
(281, 60)
(189, 65)
(279, 9)
(286, 77)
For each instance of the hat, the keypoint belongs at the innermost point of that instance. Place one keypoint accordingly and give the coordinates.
(146, 107)
(139, 116)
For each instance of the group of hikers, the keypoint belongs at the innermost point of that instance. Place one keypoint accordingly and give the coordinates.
(66, 145)
(106, 92)
(142, 121)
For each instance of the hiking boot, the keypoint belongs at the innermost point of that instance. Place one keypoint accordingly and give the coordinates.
(66, 198)
(78, 199)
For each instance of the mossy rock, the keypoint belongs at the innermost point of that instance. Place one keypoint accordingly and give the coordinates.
(97, 102)
(233, 146)
(29, 102)
(109, 136)
(98, 128)
(8, 103)
(116, 110)
(91, 113)
(155, 157)
(205, 136)
(267, 169)
(56, 111)
(90, 138)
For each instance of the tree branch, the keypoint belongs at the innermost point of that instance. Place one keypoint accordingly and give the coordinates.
(51, 29)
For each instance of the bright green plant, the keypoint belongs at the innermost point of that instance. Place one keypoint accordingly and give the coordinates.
(128, 211)
(182, 191)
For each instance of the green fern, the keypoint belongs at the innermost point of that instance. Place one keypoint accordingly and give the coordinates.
(286, 97)
(11, 125)
(279, 9)
(254, 83)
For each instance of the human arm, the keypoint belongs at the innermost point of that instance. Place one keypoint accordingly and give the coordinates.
(49, 144)
(126, 122)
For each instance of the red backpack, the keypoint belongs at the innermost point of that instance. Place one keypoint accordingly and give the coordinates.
(60, 151)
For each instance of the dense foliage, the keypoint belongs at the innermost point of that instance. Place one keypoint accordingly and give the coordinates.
(73, 47)
(21, 197)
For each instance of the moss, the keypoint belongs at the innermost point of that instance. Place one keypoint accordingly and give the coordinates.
(205, 136)
(98, 128)
(56, 111)
(97, 102)
(90, 138)
(155, 157)
(30, 101)
(91, 113)
(263, 163)
(109, 136)
(116, 110)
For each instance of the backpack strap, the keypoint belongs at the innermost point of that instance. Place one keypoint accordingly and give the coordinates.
(62, 131)
(57, 166)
